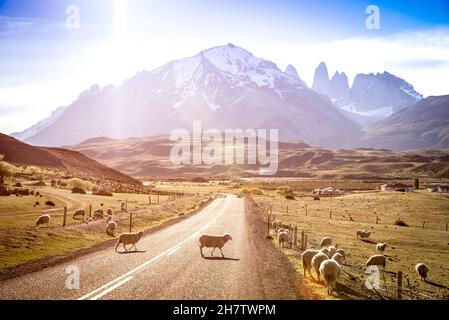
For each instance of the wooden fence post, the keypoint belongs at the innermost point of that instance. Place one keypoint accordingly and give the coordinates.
(302, 240)
(410, 288)
(268, 224)
(306, 210)
(330, 214)
(305, 241)
(423, 224)
(126, 205)
(65, 217)
(446, 225)
(287, 209)
(295, 237)
(399, 288)
(90, 211)
(149, 199)
(158, 198)
(130, 222)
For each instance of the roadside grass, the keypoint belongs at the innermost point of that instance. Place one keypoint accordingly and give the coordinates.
(406, 245)
(20, 241)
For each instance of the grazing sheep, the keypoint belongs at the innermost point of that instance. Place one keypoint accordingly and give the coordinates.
(422, 269)
(109, 212)
(316, 262)
(88, 220)
(381, 247)
(214, 242)
(330, 270)
(283, 238)
(329, 251)
(275, 224)
(123, 206)
(43, 219)
(343, 253)
(376, 260)
(326, 241)
(79, 214)
(365, 234)
(98, 214)
(338, 257)
(306, 259)
(129, 238)
(110, 228)
(109, 219)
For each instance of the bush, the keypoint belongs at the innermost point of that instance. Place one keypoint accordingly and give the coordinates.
(286, 191)
(101, 192)
(290, 197)
(21, 192)
(18, 185)
(75, 182)
(78, 190)
(316, 198)
(39, 184)
(401, 223)
(37, 203)
(4, 192)
(252, 191)
(50, 203)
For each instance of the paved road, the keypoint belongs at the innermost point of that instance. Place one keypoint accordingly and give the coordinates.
(169, 265)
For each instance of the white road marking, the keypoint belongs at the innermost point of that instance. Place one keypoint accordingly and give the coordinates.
(173, 251)
(117, 282)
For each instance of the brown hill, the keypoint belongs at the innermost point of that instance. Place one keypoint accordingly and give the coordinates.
(146, 158)
(15, 151)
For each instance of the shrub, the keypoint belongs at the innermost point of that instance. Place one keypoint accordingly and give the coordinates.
(21, 192)
(4, 192)
(252, 191)
(78, 190)
(37, 203)
(286, 191)
(290, 197)
(75, 182)
(401, 223)
(316, 198)
(50, 203)
(102, 192)
(18, 184)
(39, 184)
(6, 170)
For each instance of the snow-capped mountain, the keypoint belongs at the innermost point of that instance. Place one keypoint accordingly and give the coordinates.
(225, 87)
(372, 97)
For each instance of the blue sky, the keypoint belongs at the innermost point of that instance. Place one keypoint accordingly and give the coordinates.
(44, 65)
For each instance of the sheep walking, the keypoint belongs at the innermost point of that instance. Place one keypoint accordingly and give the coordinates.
(110, 228)
(214, 242)
(338, 258)
(363, 234)
(123, 206)
(376, 260)
(79, 214)
(381, 247)
(129, 238)
(43, 219)
(316, 262)
(343, 253)
(330, 270)
(329, 251)
(306, 259)
(109, 212)
(326, 241)
(283, 238)
(422, 269)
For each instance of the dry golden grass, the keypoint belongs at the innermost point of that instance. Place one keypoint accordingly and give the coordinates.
(406, 245)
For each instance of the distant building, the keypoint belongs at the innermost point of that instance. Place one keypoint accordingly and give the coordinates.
(397, 186)
(443, 189)
(328, 191)
(432, 189)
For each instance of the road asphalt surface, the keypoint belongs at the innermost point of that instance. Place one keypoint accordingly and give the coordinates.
(168, 265)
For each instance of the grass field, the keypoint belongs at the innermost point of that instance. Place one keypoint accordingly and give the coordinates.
(407, 246)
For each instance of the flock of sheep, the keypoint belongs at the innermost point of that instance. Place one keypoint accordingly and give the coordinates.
(327, 261)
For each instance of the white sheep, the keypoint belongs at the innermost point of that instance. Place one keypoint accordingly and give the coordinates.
(306, 259)
(283, 238)
(129, 238)
(363, 234)
(330, 270)
(109, 219)
(109, 212)
(79, 213)
(123, 206)
(326, 241)
(376, 260)
(98, 214)
(338, 257)
(214, 242)
(343, 253)
(43, 219)
(329, 251)
(381, 247)
(422, 269)
(110, 228)
(316, 262)
(88, 220)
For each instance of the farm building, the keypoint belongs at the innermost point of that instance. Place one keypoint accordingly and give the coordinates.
(397, 186)
(328, 191)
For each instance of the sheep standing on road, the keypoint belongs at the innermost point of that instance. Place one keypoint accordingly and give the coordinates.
(43, 219)
(326, 241)
(306, 259)
(330, 270)
(129, 238)
(363, 234)
(376, 260)
(422, 269)
(381, 247)
(79, 214)
(214, 242)
(316, 262)
(110, 228)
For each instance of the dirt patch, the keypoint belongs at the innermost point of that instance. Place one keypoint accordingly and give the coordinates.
(39, 264)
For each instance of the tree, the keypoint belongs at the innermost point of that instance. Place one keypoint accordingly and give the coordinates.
(416, 183)
(5, 170)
